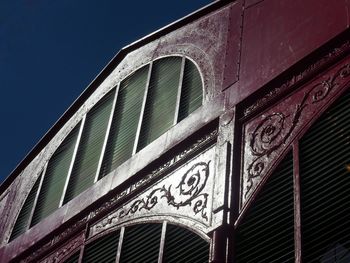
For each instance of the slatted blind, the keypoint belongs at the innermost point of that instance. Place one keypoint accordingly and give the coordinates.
(157, 117)
(74, 258)
(125, 120)
(23, 218)
(325, 186)
(55, 177)
(90, 147)
(182, 245)
(141, 244)
(266, 234)
(161, 100)
(191, 92)
(103, 250)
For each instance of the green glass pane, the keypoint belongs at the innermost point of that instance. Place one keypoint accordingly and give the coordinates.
(325, 185)
(90, 147)
(125, 120)
(141, 244)
(161, 100)
(266, 234)
(55, 178)
(74, 258)
(102, 250)
(23, 217)
(182, 245)
(191, 92)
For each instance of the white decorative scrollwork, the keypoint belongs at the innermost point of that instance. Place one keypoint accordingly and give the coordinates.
(185, 192)
(274, 130)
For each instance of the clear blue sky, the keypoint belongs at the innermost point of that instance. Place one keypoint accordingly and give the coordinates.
(51, 50)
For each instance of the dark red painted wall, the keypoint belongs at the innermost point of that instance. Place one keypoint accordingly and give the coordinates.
(265, 38)
(278, 33)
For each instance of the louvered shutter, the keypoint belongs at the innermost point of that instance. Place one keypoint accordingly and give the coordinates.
(125, 120)
(22, 221)
(141, 244)
(182, 245)
(55, 178)
(102, 250)
(74, 258)
(191, 92)
(325, 186)
(161, 100)
(90, 147)
(266, 234)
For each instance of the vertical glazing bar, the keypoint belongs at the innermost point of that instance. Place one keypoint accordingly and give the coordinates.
(138, 131)
(120, 244)
(297, 206)
(73, 160)
(37, 196)
(82, 248)
(106, 135)
(81, 254)
(178, 99)
(162, 241)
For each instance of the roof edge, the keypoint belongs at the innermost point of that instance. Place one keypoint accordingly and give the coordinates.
(95, 83)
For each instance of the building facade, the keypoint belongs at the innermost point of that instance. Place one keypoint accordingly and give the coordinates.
(223, 137)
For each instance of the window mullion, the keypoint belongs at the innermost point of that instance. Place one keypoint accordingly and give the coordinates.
(138, 131)
(107, 134)
(178, 99)
(297, 204)
(120, 244)
(37, 196)
(162, 241)
(81, 253)
(73, 160)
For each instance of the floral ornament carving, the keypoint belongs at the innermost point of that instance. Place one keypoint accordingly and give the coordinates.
(191, 185)
(274, 131)
(184, 192)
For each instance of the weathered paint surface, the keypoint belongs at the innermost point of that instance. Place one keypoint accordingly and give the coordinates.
(240, 48)
(278, 33)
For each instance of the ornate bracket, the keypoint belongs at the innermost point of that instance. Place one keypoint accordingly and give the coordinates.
(268, 135)
(190, 186)
(186, 192)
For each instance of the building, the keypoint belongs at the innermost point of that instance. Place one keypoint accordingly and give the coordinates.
(223, 137)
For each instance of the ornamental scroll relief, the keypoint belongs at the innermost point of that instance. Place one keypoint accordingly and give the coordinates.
(185, 192)
(63, 252)
(269, 134)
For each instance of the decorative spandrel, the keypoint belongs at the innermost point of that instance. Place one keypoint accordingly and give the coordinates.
(184, 193)
(268, 136)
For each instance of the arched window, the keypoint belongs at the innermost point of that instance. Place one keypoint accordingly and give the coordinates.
(133, 114)
(146, 243)
(149, 102)
(325, 186)
(266, 233)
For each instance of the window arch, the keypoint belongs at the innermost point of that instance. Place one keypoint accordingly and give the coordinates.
(304, 212)
(151, 242)
(133, 114)
(325, 185)
(266, 234)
